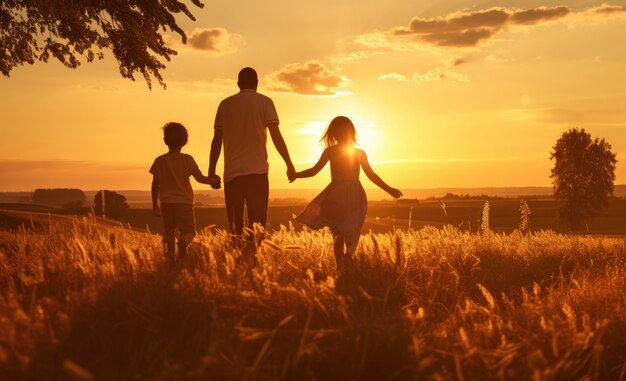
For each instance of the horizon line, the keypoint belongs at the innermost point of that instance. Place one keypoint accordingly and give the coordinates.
(307, 189)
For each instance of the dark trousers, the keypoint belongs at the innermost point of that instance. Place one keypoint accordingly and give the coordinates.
(178, 217)
(251, 191)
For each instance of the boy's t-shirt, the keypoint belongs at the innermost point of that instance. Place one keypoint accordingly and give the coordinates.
(173, 170)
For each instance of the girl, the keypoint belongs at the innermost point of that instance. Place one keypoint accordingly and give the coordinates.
(342, 205)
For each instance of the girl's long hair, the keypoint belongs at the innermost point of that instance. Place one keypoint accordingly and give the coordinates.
(340, 130)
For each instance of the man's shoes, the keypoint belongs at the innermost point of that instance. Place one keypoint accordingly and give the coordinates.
(182, 249)
(171, 259)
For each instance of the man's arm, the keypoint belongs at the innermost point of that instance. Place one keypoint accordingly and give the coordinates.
(155, 195)
(216, 149)
(281, 147)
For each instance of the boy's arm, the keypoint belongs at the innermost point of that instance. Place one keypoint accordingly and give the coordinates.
(313, 170)
(155, 195)
(213, 181)
(281, 147)
(216, 148)
(369, 172)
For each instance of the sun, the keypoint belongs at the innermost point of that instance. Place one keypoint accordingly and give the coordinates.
(368, 137)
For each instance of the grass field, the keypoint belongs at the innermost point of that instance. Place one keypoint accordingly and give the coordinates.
(85, 299)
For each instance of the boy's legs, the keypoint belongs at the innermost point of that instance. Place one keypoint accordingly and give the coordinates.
(338, 248)
(169, 227)
(186, 222)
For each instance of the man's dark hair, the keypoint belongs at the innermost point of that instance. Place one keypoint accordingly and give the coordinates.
(175, 134)
(247, 77)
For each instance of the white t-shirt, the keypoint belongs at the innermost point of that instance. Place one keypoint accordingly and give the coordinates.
(243, 119)
(173, 170)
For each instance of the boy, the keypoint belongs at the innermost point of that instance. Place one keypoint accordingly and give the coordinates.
(170, 184)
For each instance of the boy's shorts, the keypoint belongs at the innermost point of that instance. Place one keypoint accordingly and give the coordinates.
(178, 216)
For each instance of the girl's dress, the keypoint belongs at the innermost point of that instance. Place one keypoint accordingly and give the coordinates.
(342, 205)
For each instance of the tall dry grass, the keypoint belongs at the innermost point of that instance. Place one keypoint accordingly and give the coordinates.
(88, 301)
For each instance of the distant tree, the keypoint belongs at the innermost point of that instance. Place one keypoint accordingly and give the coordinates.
(59, 197)
(408, 201)
(35, 30)
(115, 205)
(583, 175)
(451, 196)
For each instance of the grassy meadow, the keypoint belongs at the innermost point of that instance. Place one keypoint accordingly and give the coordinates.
(83, 299)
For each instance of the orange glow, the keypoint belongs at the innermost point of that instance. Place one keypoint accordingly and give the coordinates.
(428, 113)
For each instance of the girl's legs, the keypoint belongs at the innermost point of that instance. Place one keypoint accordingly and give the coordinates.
(344, 250)
(350, 249)
(338, 247)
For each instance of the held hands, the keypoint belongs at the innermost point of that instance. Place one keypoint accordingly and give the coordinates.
(395, 193)
(215, 181)
(291, 174)
(156, 209)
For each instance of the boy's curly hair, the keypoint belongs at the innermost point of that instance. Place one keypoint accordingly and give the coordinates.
(175, 134)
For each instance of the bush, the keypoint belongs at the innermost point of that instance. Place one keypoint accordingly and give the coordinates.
(59, 197)
(112, 205)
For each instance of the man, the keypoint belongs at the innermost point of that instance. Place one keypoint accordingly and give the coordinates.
(241, 124)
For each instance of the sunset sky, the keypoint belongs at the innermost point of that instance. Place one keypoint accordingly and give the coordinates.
(443, 93)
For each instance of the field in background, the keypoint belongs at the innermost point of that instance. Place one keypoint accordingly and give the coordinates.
(86, 299)
(384, 217)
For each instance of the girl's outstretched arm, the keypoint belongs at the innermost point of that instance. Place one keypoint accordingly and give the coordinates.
(313, 170)
(369, 172)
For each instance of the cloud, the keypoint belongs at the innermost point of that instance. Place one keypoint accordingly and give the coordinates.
(607, 10)
(215, 40)
(394, 76)
(499, 56)
(344, 58)
(459, 62)
(468, 29)
(457, 29)
(382, 40)
(309, 78)
(436, 74)
(537, 15)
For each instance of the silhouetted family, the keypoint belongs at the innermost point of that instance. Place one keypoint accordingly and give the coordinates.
(241, 124)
